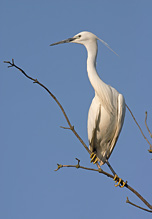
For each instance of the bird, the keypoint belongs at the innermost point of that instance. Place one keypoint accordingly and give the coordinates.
(107, 110)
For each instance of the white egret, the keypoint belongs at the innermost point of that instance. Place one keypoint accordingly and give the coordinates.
(107, 110)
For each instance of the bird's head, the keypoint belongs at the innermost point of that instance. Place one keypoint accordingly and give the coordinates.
(83, 38)
(80, 38)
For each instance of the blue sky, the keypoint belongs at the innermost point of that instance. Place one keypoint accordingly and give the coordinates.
(32, 142)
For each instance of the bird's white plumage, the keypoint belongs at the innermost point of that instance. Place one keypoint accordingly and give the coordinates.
(107, 110)
(104, 127)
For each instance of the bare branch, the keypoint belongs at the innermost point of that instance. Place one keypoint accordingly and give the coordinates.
(150, 150)
(99, 170)
(59, 166)
(71, 128)
(63, 111)
(112, 177)
(147, 125)
(137, 206)
(85, 168)
(139, 196)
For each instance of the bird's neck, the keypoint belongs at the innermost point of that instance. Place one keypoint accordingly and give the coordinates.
(95, 80)
(102, 90)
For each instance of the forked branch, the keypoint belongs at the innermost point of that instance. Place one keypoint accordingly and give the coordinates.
(137, 206)
(99, 170)
(150, 149)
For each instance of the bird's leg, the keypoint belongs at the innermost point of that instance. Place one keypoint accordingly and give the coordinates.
(116, 178)
(93, 155)
(110, 167)
(94, 158)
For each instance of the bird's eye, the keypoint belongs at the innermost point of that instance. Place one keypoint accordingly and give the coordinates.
(79, 36)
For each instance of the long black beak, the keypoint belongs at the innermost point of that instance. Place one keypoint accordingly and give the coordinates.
(64, 41)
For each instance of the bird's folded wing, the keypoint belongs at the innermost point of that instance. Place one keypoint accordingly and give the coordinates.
(121, 115)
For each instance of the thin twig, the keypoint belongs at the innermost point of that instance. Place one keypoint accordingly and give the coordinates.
(67, 127)
(150, 150)
(139, 127)
(137, 206)
(80, 139)
(147, 125)
(139, 196)
(85, 168)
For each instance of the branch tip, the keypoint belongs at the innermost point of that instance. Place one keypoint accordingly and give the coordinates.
(70, 128)
(78, 165)
(139, 125)
(137, 206)
(62, 127)
(10, 66)
(59, 167)
(127, 200)
(147, 126)
(77, 160)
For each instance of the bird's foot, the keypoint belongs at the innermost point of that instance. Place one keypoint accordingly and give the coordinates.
(120, 181)
(94, 158)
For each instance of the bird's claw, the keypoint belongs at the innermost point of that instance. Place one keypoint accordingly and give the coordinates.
(94, 158)
(120, 181)
(123, 184)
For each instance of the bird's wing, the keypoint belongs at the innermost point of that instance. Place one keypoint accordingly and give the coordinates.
(108, 97)
(121, 115)
(93, 122)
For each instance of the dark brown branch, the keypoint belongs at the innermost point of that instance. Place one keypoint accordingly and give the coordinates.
(139, 128)
(82, 142)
